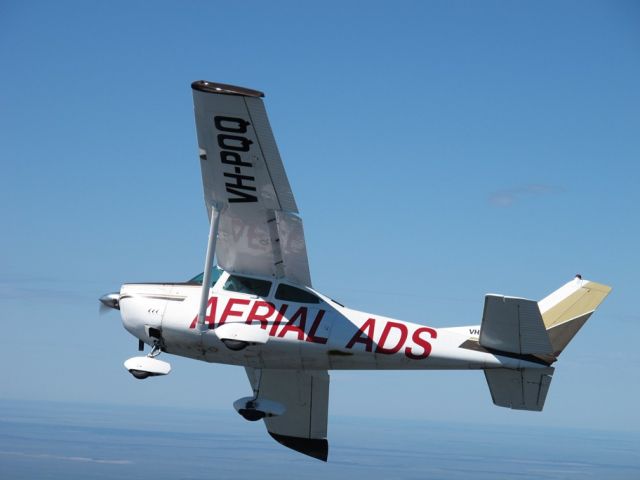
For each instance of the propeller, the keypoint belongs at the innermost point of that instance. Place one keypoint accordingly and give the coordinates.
(109, 301)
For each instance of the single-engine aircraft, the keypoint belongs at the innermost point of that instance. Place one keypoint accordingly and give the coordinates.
(256, 306)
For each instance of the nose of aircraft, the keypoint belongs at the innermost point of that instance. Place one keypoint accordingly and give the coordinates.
(111, 300)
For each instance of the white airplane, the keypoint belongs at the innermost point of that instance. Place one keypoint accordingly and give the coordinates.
(256, 308)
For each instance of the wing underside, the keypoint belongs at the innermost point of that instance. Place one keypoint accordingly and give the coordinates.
(305, 398)
(243, 177)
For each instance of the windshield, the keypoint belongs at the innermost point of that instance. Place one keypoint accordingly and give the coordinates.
(215, 275)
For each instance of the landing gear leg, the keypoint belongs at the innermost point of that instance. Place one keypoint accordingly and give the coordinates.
(155, 351)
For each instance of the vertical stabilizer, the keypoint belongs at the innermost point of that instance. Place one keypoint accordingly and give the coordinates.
(544, 329)
(567, 309)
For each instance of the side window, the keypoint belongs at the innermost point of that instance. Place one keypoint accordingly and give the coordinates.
(252, 286)
(293, 294)
(215, 275)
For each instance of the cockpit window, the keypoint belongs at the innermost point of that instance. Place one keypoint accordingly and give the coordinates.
(293, 294)
(252, 286)
(215, 275)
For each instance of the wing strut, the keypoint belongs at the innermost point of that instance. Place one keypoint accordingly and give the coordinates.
(208, 263)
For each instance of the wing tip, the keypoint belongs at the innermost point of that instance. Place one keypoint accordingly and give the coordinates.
(314, 447)
(225, 89)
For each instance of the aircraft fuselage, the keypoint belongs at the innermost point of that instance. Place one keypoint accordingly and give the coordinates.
(323, 335)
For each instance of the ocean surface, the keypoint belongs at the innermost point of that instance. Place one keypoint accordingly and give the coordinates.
(42, 440)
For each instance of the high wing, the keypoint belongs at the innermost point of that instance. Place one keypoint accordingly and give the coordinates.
(305, 398)
(259, 230)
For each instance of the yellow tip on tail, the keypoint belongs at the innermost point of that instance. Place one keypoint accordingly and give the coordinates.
(567, 309)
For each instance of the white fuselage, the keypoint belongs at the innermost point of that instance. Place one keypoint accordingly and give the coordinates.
(307, 336)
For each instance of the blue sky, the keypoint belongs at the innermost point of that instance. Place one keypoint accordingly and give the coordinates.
(437, 150)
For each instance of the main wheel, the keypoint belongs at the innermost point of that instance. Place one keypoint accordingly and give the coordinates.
(235, 345)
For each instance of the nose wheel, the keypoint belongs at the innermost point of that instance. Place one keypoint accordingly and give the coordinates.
(139, 374)
(148, 366)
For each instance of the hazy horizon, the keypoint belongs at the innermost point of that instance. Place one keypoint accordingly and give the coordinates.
(63, 440)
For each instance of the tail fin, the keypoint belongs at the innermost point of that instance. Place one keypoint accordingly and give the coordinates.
(523, 327)
(567, 309)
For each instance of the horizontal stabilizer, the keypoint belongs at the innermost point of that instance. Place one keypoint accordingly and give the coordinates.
(524, 389)
(513, 325)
